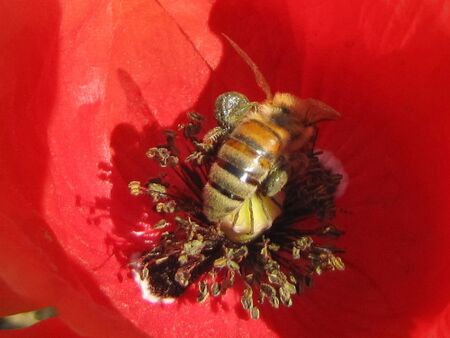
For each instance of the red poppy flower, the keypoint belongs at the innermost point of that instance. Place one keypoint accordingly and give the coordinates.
(85, 87)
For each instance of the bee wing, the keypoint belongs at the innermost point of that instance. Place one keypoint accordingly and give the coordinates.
(317, 111)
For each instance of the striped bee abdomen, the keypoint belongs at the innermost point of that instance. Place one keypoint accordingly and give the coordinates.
(242, 164)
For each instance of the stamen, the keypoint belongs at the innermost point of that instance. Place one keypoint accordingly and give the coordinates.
(274, 267)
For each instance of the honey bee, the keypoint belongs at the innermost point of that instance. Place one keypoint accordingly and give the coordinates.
(244, 193)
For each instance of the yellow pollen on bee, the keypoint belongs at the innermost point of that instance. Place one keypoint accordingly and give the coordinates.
(256, 215)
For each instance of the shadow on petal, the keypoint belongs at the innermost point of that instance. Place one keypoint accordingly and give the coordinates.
(395, 225)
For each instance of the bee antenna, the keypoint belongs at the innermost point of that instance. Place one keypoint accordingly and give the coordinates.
(259, 77)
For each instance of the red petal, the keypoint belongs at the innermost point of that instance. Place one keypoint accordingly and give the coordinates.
(81, 82)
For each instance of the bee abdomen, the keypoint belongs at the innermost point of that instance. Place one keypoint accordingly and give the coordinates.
(218, 201)
(260, 136)
(225, 191)
(231, 185)
(247, 177)
(238, 158)
(243, 162)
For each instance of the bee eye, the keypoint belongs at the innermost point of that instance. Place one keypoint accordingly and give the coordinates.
(285, 111)
(282, 116)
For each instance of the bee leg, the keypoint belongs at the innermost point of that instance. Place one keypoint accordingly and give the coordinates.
(208, 145)
(276, 179)
(212, 138)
